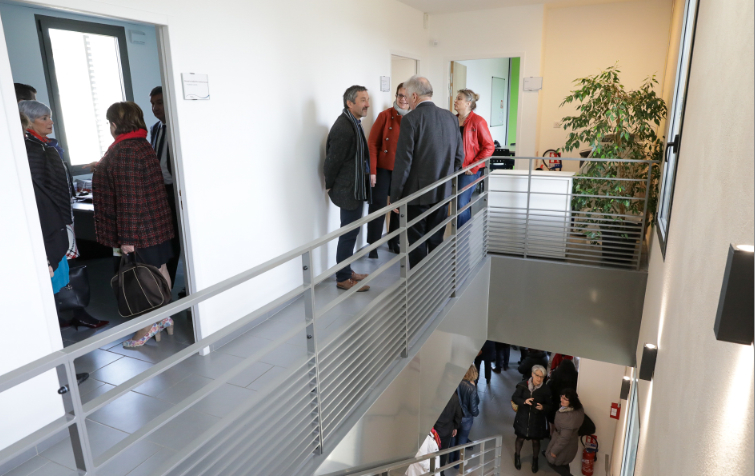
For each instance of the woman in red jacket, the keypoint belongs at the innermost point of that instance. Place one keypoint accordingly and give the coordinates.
(131, 210)
(478, 144)
(382, 145)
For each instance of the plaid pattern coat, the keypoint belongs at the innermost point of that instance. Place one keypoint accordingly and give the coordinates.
(130, 201)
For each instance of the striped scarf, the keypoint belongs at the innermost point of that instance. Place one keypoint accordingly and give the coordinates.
(361, 167)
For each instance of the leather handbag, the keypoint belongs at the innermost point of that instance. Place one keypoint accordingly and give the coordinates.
(139, 288)
(76, 294)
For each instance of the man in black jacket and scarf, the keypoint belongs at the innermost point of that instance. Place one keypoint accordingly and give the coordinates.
(347, 174)
(448, 424)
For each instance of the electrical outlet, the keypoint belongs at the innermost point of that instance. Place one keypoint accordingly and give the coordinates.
(556, 125)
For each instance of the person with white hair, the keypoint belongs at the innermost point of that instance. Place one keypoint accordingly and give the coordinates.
(429, 148)
(533, 400)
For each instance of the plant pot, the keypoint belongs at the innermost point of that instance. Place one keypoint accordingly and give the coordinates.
(621, 243)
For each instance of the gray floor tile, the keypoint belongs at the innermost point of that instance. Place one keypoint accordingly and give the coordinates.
(220, 402)
(120, 371)
(53, 469)
(251, 374)
(184, 388)
(88, 397)
(95, 360)
(150, 467)
(27, 468)
(101, 438)
(211, 365)
(266, 378)
(183, 429)
(285, 356)
(156, 385)
(130, 412)
(245, 345)
(153, 351)
(127, 461)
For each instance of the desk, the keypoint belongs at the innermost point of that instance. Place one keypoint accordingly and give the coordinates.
(541, 226)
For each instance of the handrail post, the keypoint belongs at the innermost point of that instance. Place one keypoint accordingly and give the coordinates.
(644, 214)
(462, 457)
(454, 234)
(498, 445)
(82, 450)
(486, 218)
(403, 250)
(527, 216)
(309, 317)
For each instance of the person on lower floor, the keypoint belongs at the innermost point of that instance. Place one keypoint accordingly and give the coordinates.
(430, 445)
(565, 376)
(478, 144)
(502, 356)
(448, 424)
(533, 398)
(470, 407)
(347, 172)
(429, 149)
(564, 446)
(534, 357)
(487, 355)
(382, 144)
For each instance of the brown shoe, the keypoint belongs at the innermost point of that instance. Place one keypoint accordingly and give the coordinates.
(358, 277)
(350, 283)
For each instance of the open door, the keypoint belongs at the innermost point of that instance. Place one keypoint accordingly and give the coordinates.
(458, 81)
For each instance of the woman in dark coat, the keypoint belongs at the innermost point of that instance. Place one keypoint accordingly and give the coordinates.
(534, 400)
(565, 376)
(131, 210)
(564, 443)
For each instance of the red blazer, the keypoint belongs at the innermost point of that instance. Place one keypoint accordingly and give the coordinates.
(383, 139)
(130, 201)
(478, 143)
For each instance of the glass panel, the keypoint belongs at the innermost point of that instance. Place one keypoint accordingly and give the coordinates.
(88, 72)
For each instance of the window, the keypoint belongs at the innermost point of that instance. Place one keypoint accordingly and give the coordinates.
(86, 67)
(675, 122)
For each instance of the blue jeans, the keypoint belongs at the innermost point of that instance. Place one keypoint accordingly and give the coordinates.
(465, 197)
(347, 241)
(462, 436)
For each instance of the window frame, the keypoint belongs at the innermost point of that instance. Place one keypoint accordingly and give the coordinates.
(662, 228)
(44, 24)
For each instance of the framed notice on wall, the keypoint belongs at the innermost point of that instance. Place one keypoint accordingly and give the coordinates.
(498, 105)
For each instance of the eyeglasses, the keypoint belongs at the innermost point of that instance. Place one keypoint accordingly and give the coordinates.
(400, 96)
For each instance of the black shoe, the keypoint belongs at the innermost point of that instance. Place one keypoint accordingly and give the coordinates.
(505, 367)
(64, 324)
(488, 381)
(83, 318)
(497, 370)
(373, 254)
(517, 461)
(394, 248)
(534, 464)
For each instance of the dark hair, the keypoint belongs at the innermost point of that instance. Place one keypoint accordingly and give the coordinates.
(24, 92)
(127, 117)
(573, 398)
(351, 94)
(398, 88)
(567, 365)
(156, 90)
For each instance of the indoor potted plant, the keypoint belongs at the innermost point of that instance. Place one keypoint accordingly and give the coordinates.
(615, 123)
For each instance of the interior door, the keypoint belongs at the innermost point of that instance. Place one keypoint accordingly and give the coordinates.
(458, 81)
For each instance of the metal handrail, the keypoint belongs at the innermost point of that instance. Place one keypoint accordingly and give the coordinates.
(386, 468)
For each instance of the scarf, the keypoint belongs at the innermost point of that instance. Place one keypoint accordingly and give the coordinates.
(138, 134)
(565, 409)
(361, 167)
(40, 137)
(436, 436)
(401, 112)
(531, 386)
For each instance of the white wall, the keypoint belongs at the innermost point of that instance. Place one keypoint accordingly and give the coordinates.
(583, 40)
(598, 386)
(26, 56)
(496, 33)
(479, 79)
(697, 413)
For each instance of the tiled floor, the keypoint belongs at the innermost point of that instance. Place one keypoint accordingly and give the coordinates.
(112, 365)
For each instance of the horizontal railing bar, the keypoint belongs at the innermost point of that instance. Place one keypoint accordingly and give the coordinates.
(423, 311)
(429, 256)
(562, 235)
(355, 257)
(497, 208)
(563, 222)
(532, 192)
(537, 238)
(419, 298)
(357, 328)
(429, 234)
(275, 456)
(419, 281)
(182, 406)
(590, 159)
(31, 440)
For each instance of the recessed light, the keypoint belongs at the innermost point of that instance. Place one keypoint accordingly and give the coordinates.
(748, 248)
(650, 346)
(627, 378)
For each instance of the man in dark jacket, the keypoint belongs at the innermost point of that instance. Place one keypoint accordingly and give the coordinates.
(347, 173)
(429, 148)
(448, 424)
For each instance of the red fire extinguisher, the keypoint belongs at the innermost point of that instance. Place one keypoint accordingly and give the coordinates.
(552, 163)
(589, 454)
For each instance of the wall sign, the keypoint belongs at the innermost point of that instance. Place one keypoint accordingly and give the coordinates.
(385, 84)
(533, 83)
(196, 86)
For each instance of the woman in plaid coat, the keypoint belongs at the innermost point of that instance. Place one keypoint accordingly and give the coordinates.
(131, 210)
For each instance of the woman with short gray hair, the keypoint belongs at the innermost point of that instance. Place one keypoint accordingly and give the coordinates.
(533, 401)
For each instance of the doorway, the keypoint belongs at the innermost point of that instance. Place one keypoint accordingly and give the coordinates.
(79, 65)
(402, 68)
(496, 81)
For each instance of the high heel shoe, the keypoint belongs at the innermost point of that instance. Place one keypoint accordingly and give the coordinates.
(154, 331)
(83, 318)
(167, 324)
(517, 461)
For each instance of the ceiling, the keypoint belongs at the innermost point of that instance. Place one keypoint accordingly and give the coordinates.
(455, 6)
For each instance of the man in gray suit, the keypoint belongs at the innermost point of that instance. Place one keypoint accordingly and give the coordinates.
(429, 148)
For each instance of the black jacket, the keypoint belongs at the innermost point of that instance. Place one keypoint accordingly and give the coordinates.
(450, 419)
(469, 399)
(533, 358)
(429, 148)
(53, 196)
(340, 154)
(529, 421)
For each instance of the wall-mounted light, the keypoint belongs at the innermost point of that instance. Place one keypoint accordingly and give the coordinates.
(647, 367)
(625, 386)
(736, 306)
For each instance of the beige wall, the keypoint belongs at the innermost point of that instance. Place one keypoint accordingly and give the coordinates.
(583, 40)
(697, 413)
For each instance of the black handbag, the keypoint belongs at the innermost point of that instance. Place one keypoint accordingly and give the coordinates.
(139, 288)
(76, 294)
